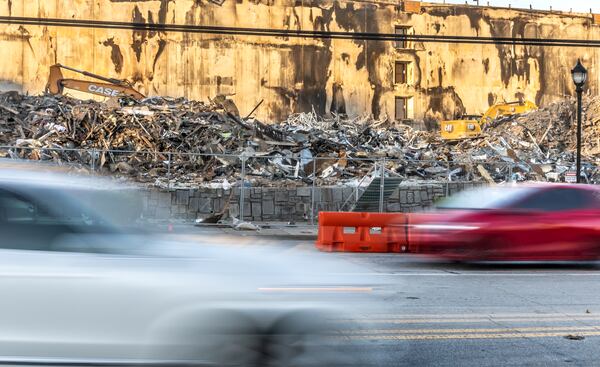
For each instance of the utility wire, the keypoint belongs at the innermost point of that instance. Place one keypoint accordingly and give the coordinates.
(271, 32)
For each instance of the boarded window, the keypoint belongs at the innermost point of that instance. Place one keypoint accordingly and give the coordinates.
(401, 112)
(401, 72)
(400, 30)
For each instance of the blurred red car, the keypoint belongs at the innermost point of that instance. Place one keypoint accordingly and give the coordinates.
(543, 222)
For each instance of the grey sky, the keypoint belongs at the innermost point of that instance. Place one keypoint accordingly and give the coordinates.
(576, 5)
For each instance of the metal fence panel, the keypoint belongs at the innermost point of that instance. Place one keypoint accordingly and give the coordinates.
(293, 188)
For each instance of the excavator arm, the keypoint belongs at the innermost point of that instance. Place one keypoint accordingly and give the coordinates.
(507, 109)
(108, 88)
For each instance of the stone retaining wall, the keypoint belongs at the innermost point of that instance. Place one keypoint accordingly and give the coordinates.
(284, 204)
(413, 198)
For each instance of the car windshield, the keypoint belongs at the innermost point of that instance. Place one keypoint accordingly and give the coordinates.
(484, 198)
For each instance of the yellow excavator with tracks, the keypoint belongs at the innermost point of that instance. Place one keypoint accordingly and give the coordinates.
(470, 125)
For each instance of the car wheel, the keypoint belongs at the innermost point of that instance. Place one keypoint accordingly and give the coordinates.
(216, 337)
(237, 341)
(280, 349)
(302, 339)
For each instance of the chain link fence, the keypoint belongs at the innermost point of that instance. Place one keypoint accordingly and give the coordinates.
(281, 186)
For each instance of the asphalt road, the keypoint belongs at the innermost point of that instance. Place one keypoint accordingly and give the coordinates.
(424, 313)
(441, 314)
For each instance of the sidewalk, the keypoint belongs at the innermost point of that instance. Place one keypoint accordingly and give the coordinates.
(266, 230)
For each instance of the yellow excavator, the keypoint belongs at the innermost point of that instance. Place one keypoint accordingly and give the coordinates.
(109, 88)
(470, 125)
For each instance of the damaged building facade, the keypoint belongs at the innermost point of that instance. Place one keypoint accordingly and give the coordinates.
(397, 80)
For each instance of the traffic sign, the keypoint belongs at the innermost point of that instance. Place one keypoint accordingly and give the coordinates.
(571, 177)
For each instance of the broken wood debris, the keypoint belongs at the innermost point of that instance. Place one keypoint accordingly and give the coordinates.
(177, 142)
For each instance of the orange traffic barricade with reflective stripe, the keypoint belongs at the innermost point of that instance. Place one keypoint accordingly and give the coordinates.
(362, 232)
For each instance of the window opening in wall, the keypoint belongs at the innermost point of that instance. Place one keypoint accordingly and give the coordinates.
(401, 72)
(401, 112)
(401, 30)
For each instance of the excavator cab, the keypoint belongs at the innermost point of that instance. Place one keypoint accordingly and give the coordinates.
(109, 87)
(470, 126)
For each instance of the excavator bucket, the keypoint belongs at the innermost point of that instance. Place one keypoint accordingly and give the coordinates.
(54, 86)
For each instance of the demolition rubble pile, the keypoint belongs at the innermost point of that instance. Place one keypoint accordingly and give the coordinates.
(541, 145)
(177, 142)
(536, 146)
(183, 143)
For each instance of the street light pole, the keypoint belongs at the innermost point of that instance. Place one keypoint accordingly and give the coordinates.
(579, 75)
(578, 164)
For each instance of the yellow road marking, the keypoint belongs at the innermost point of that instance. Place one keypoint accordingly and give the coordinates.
(466, 320)
(469, 336)
(478, 315)
(475, 330)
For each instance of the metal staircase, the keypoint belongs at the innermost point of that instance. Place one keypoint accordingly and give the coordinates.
(371, 198)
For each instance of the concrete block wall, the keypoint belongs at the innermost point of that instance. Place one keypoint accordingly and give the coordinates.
(416, 197)
(284, 204)
(260, 204)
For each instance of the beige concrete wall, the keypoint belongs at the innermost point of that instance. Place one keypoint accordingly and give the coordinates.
(295, 74)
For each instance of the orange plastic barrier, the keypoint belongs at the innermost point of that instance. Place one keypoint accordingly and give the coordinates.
(362, 232)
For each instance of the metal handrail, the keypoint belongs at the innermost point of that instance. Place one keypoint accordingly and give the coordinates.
(355, 191)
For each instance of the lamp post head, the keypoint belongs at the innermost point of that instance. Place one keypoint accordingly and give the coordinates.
(579, 74)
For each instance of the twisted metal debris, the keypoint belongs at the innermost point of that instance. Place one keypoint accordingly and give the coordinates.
(164, 140)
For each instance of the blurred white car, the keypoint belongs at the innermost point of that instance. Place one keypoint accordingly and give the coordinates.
(78, 290)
